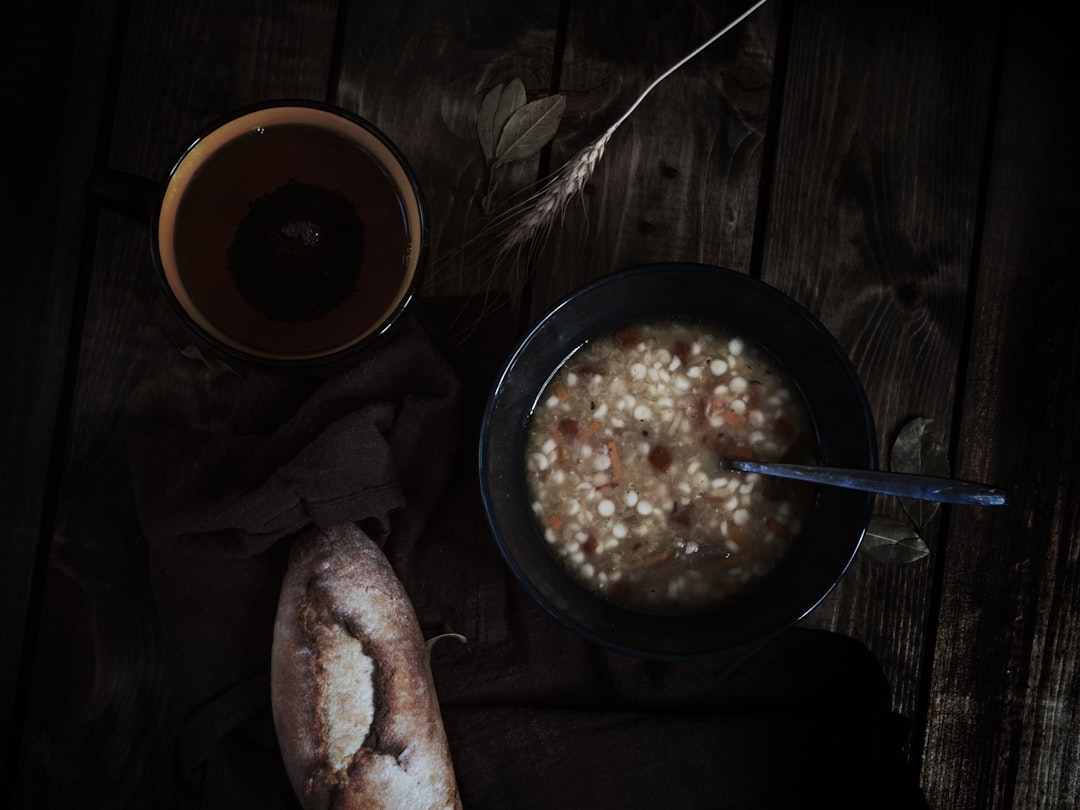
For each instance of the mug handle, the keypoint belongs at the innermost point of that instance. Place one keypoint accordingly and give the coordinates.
(128, 194)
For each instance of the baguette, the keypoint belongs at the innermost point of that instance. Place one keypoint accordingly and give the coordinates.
(354, 703)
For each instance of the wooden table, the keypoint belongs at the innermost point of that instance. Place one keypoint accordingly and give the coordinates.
(907, 171)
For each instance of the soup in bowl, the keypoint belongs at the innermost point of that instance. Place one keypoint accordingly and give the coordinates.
(601, 449)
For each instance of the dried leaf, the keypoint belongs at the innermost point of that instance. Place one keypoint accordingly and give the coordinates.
(501, 102)
(529, 129)
(485, 121)
(917, 451)
(511, 100)
(892, 541)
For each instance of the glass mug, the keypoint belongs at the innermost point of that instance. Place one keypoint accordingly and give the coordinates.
(289, 235)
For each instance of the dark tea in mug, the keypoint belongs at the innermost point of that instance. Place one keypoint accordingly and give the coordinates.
(290, 233)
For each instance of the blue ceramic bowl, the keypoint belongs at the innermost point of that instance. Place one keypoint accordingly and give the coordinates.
(823, 374)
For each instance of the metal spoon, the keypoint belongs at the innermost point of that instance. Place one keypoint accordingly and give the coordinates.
(906, 485)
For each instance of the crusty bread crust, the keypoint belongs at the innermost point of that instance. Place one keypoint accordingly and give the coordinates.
(354, 703)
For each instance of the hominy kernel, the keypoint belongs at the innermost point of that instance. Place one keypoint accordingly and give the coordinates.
(680, 389)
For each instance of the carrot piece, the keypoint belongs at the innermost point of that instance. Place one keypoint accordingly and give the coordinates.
(733, 419)
(777, 526)
(744, 453)
(616, 470)
(591, 429)
(555, 521)
(658, 557)
(562, 393)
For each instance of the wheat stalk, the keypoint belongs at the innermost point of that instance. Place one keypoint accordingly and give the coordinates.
(523, 221)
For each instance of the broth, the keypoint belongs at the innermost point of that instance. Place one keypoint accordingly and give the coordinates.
(622, 473)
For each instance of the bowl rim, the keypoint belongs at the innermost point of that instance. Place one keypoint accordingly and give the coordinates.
(866, 436)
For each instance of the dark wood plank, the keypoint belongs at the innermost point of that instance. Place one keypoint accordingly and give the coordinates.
(679, 179)
(871, 227)
(419, 72)
(54, 68)
(183, 65)
(1006, 691)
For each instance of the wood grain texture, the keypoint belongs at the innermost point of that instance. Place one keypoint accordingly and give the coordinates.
(871, 226)
(183, 66)
(917, 192)
(419, 71)
(679, 180)
(43, 206)
(1005, 692)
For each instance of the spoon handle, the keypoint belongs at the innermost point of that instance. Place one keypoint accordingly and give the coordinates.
(921, 487)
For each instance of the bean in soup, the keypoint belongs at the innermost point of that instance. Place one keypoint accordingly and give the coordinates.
(622, 471)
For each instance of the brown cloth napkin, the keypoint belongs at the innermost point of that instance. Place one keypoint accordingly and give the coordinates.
(536, 717)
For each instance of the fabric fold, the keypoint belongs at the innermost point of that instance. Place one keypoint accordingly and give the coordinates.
(219, 505)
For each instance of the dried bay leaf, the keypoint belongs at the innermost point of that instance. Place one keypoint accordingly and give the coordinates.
(529, 129)
(500, 102)
(485, 121)
(892, 541)
(511, 100)
(917, 451)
